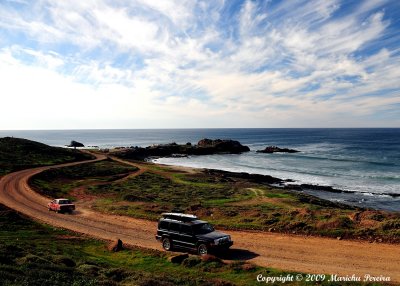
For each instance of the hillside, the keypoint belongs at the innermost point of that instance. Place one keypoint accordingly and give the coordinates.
(17, 154)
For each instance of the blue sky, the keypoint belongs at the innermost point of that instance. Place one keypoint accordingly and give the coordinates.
(195, 64)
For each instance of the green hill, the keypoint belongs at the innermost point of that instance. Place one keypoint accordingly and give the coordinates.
(17, 154)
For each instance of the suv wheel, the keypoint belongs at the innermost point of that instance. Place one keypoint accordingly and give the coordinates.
(167, 244)
(202, 249)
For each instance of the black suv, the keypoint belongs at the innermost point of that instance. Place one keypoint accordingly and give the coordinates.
(187, 232)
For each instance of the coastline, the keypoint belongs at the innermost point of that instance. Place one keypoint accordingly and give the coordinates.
(235, 201)
(329, 193)
(262, 207)
(361, 160)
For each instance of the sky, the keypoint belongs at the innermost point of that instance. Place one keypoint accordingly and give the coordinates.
(199, 64)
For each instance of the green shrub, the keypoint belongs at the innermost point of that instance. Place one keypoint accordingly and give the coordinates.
(191, 261)
(64, 261)
(117, 274)
(392, 224)
(90, 269)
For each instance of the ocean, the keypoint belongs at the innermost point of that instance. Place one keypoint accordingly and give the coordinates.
(366, 161)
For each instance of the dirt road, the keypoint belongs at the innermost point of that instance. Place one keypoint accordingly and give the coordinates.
(297, 253)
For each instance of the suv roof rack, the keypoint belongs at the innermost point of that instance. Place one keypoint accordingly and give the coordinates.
(180, 216)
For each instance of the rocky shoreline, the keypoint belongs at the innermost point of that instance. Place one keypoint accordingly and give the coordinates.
(219, 146)
(330, 189)
(284, 184)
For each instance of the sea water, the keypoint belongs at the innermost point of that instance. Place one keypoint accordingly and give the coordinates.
(366, 161)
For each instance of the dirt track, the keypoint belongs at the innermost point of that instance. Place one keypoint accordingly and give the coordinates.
(297, 253)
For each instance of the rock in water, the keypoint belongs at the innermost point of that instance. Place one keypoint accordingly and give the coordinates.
(204, 147)
(276, 149)
(75, 144)
(223, 146)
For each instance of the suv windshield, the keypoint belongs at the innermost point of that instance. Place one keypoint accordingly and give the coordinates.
(64, 202)
(203, 228)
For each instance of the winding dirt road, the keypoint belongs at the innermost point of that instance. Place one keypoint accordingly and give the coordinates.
(296, 253)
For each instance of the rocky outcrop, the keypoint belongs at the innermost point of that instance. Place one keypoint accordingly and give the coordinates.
(222, 146)
(115, 246)
(75, 144)
(276, 149)
(203, 147)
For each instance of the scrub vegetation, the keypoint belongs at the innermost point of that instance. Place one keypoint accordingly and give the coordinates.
(227, 201)
(36, 254)
(61, 181)
(17, 154)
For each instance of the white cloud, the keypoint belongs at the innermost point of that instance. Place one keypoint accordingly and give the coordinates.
(37, 97)
(180, 12)
(289, 63)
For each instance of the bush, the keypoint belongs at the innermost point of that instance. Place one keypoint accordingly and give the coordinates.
(30, 258)
(117, 274)
(64, 261)
(391, 224)
(296, 225)
(154, 282)
(345, 222)
(191, 261)
(236, 266)
(270, 220)
(92, 270)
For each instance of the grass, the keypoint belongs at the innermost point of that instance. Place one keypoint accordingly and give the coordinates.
(61, 181)
(165, 191)
(228, 202)
(234, 203)
(17, 154)
(35, 254)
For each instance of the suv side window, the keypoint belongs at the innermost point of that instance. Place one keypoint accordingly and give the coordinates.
(186, 229)
(163, 225)
(174, 226)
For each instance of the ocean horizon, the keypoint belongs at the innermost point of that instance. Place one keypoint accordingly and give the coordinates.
(365, 161)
